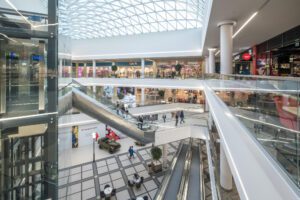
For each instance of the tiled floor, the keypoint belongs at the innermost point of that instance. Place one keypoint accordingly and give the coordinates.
(85, 181)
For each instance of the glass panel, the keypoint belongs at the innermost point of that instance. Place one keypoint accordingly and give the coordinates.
(269, 108)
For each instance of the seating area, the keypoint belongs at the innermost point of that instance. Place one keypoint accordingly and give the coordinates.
(108, 192)
(136, 181)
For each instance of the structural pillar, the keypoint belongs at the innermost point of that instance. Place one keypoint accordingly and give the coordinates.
(225, 173)
(142, 96)
(143, 68)
(206, 64)
(212, 64)
(94, 74)
(94, 69)
(165, 156)
(226, 45)
(60, 68)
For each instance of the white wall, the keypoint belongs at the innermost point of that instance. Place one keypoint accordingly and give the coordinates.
(152, 45)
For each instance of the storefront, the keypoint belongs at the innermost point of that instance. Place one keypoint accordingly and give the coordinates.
(243, 63)
(134, 69)
(280, 56)
(103, 69)
(187, 69)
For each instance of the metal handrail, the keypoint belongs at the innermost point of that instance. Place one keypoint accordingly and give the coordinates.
(278, 78)
(201, 177)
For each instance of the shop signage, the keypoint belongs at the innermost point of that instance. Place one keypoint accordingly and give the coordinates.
(246, 56)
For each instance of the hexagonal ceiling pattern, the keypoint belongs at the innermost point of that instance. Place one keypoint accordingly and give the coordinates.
(84, 19)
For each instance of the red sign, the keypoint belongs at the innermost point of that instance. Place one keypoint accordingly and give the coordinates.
(246, 56)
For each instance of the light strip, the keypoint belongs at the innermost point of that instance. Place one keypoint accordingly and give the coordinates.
(32, 25)
(245, 24)
(217, 53)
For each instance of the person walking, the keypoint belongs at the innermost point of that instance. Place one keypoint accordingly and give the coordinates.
(164, 117)
(176, 119)
(131, 152)
(181, 117)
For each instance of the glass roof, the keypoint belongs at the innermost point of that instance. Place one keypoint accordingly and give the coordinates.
(83, 19)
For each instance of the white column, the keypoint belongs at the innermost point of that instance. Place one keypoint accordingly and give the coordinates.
(210, 119)
(225, 173)
(206, 64)
(165, 156)
(60, 68)
(226, 45)
(142, 96)
(86, 70)
(94, 68)
(143, 68)
(212, 64)
(206, 107)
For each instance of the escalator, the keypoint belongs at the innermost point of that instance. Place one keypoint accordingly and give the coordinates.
(184, 180)
(175, 180)
(105, 111)
(194, 183)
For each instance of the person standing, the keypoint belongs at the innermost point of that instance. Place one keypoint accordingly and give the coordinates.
(131, 152)
(118, 108)
(176, 119)
(164, 117)
(141, 121)
(181, 117)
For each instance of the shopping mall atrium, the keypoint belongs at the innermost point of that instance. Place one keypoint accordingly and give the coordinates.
(150, 99)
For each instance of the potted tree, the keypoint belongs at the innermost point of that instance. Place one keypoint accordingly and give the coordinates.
(114, 68)
(155, 165)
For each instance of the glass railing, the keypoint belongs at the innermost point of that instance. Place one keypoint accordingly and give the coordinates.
(269, 107)
(115, 108)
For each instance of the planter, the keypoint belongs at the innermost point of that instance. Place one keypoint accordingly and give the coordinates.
(155, 167)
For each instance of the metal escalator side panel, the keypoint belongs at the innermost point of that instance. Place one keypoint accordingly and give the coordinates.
(98, 111)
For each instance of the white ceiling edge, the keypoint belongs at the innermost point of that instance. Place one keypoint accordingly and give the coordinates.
(184, 43)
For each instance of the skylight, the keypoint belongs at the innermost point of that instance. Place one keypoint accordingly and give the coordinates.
(83, 19)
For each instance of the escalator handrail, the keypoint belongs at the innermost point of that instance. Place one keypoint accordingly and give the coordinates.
(109, 104)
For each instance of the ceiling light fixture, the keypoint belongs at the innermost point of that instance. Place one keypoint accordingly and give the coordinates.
(245, 24)
(31, 24)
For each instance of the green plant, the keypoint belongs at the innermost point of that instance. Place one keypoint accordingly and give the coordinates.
(156, 153)
(114, 68)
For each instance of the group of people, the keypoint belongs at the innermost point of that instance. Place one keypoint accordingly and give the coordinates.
(179, 114)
